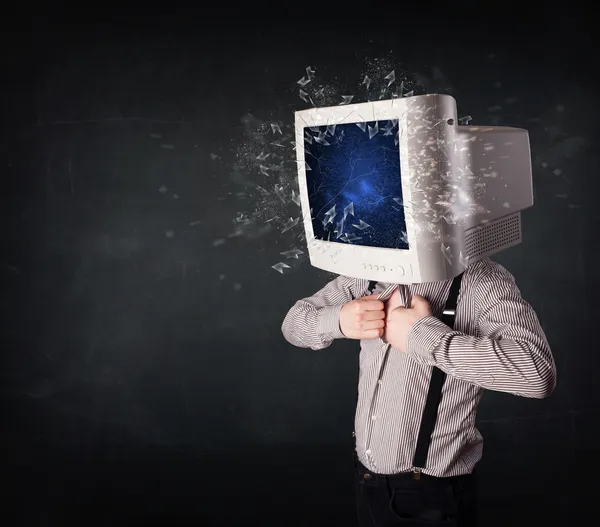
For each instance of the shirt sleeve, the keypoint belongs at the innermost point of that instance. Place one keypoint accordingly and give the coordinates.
(314, 322)
(510, 354)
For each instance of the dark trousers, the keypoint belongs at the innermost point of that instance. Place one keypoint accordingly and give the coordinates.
(400, 500)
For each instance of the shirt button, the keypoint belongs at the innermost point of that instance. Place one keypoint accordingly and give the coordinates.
(367, 476)
(368, 452)
(380, 382)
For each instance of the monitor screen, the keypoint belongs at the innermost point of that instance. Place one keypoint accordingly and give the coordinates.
(354, 183)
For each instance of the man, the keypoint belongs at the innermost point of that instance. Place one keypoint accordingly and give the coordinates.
(496, 343)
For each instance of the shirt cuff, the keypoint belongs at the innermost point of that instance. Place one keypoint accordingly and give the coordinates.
(423, 338)
(328, 323)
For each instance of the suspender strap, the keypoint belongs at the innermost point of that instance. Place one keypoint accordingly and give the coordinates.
(371, 287)
(435, 385)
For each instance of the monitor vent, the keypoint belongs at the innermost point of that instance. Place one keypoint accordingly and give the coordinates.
(494, 236)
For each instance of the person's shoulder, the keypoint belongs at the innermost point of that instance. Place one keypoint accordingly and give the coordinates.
(486, 269)
(350, 282)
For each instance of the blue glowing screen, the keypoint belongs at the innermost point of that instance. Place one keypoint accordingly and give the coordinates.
(354, 184)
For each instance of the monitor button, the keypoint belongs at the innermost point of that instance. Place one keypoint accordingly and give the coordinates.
(383, 268)
(400, 270)
(370, 266)
(376, 267)
(364, 266)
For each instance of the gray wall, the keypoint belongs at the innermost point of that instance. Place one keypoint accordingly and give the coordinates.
(145, 375)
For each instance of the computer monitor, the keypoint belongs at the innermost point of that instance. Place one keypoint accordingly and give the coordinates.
(397, 191)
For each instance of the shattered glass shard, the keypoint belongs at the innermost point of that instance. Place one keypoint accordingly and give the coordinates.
(361, 225)
(346, 99)
(262, 156)
(314, 129)
(290, 224)
(214, 156)
(320, 92)
(465, 120)
(404, 237)
(382, 93)
(279, 192)
(366, 81)
(310, 72)
(398, 201)
(397, 138)
(321, 139)
(466, 171)
(352, 238)
(303, 95)
(390, 77)
(279, 267)
(373, 130)
(303, 81)
(308, 138)
(349, 209)
(463, 260)
(263, 170)
(362, 126)
(278, 144)
(330, 213)
(163, 189)
(242, 218)
(295, 198)
(276, 128)
(339, 228)
(409, 94)
(447, 252)
(331, 129)
(506, 205)
(388, 128)
(293, 253)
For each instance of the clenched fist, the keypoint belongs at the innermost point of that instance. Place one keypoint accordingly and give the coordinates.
(363, 318)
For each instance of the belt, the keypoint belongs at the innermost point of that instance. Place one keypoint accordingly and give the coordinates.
(401, 479)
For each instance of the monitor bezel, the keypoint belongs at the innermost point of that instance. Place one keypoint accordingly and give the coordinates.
(392, 109)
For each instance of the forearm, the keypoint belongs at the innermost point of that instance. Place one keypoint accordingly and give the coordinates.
(306, 326)
(522, 365)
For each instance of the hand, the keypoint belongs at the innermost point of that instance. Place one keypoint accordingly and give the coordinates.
(400, 320)
(363, 318)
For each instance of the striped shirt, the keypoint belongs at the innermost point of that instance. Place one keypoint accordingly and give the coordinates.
(496, 344)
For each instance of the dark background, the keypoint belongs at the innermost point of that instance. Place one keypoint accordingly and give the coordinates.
(145, 380)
